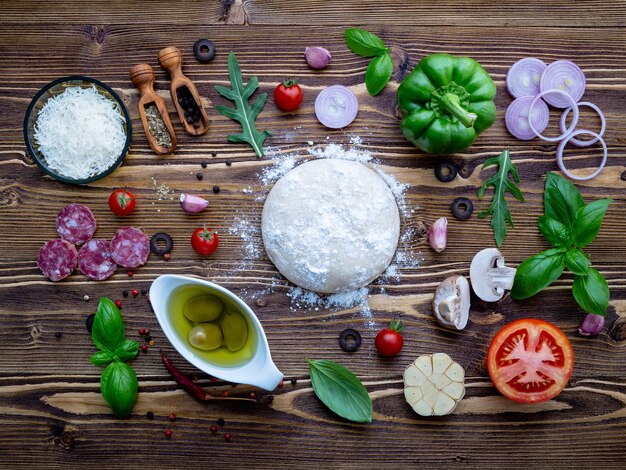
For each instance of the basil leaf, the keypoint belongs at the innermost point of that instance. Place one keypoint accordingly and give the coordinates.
(378, 73)
(341, 391)
(538, 272)
(588, 221)
(561, 200)
(592, 292)
(101, 358)
(554, 231)
(119, 387)
(577, 262)
(107, 330)
(364, 43)
(127, 350)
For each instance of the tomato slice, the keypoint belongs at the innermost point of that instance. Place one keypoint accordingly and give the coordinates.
(530, 361)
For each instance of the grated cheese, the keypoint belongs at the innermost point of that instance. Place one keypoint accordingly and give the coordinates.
(80, 132)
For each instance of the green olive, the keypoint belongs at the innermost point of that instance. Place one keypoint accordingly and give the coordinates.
(206, 336)
(203, 308)
(235, 330)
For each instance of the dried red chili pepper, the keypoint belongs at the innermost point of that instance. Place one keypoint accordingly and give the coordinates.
(181, 379)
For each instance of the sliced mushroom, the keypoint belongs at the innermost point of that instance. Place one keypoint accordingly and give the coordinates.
(489, 276)
(452, 302)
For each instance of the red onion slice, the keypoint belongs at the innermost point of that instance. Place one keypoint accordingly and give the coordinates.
(571, 127)
(561, 147)
(524, 77)
(336, 106)
(516, 118)
(584, 143)
(566, 76)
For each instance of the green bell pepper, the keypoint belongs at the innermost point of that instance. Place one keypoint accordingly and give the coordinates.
(446, 102)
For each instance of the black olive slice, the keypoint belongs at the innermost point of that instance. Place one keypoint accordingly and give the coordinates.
(204, 50)
(446, 171)
(462, 208)
(349, 340)
(161, 237)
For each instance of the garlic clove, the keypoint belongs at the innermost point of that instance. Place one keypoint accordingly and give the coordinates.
(591, 325)
(441, 362)
(444, 405)
(438, 235)
(317, 57)
(193, 204)
(425, 365)
(454, 390)
(414, 376)
(455, 372)
(412, 394)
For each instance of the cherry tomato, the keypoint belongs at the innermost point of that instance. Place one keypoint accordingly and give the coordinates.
(122, 201)
(530, 361)
(389, 341)
(204, 240)
(288, 95)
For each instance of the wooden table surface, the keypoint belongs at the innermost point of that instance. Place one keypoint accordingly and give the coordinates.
(51, 411)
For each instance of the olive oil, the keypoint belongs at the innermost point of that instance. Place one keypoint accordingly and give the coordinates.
(220, 357)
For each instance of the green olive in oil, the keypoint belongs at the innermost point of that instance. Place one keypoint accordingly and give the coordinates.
(198, 301)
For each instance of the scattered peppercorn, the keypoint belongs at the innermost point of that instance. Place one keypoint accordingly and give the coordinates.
(125, 293)
(167, 256)
(227, 437)
(203, 164)
(89, 321)
(150, 415)
(294, 382)
(194, 378)
(130, 273)
(151, 343)
(147, 331)
(172, 417)
(148, 338)
(199, 176)
(85, 297)
(225, 393)
(143, 348)
(213, 379)
(135, 292)
(168, 433)
(252, 396)
(141, 331)
(144, 291)
(214, 429)
(270, 398)
(229, 162)
(57, 334)
(216, 189)
(118, 303)
(221, 422)
(214, 154)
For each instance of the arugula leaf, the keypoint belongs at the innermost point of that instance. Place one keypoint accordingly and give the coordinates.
(378, 73)
(561, 200)
(101, 358)
(107, 330)
(243, 112)
(119, 387)
(577, 262)
(554, 231)
(341, 391)
(592, 292)
(537, 273)
(588, 221)
(364, 43)
(501, 183)
(127, 350)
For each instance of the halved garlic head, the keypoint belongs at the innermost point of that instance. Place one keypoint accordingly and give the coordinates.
(434, 384)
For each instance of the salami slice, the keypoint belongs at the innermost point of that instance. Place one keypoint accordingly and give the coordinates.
(130, 247)
(57, 259)
(76, 223)
(95, 261)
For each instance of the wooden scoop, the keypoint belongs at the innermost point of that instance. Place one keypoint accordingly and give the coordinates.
(142, 77)
(171, 59)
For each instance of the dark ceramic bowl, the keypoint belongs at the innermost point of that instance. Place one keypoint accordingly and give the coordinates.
(55, 88)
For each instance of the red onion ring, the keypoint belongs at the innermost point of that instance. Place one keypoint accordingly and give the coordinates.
(561, 147)
(566, 76)
(517, 115)
(571, 127)
(336, 106)
(524, 76)
(584, 143)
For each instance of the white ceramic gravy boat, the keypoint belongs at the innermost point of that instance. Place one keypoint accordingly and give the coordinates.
(259, 370)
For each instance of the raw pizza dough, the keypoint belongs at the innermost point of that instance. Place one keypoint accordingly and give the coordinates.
(331, 225)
